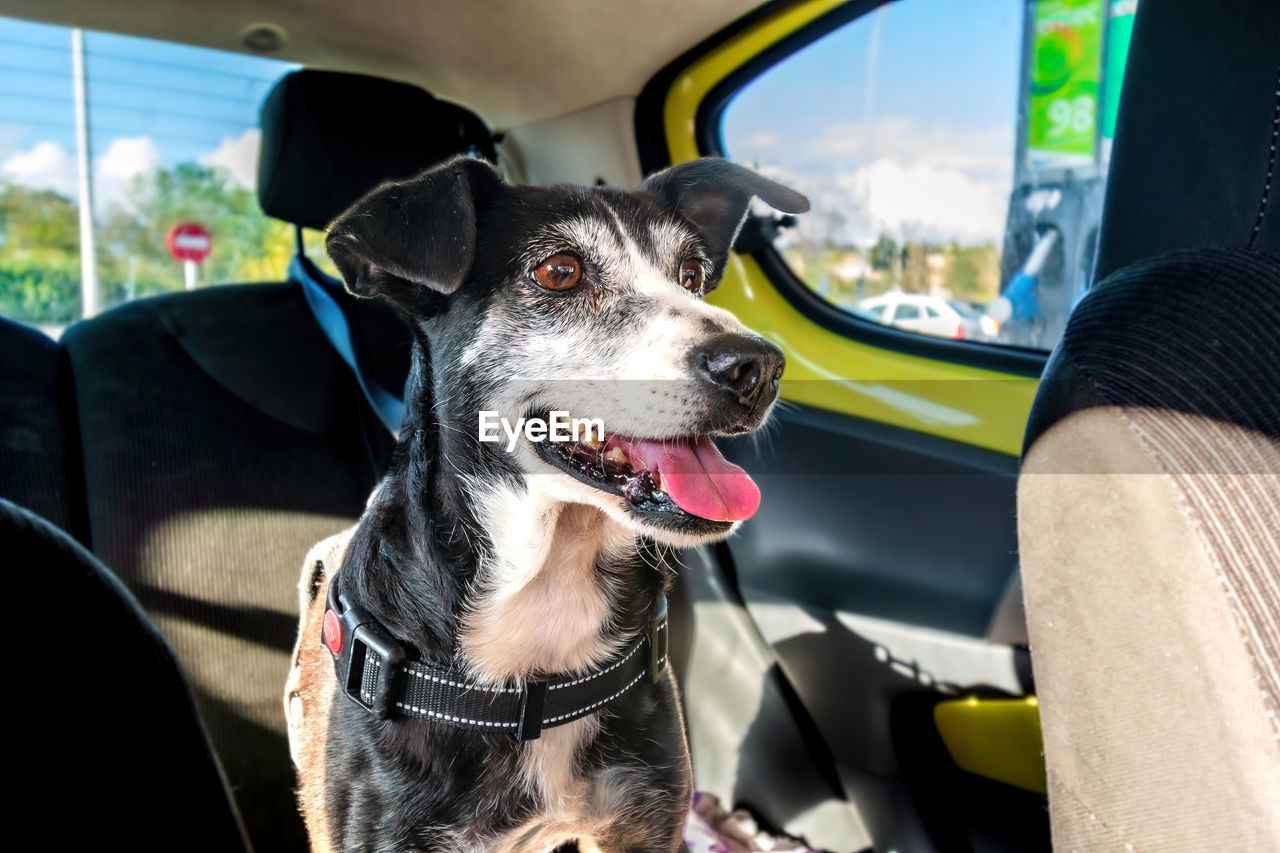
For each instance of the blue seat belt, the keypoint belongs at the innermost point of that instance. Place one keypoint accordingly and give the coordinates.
(319, 290)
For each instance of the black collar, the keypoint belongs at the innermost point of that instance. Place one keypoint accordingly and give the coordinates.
(373, 670)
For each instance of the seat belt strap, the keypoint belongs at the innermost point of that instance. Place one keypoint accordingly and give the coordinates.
(321, 292)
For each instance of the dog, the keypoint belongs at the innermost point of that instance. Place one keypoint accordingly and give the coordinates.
(499, 578)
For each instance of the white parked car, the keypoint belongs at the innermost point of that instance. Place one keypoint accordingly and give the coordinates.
(928, 315)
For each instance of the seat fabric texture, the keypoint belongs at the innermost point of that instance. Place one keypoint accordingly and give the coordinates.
(222, 437)
(1149, 531)
(37, 446)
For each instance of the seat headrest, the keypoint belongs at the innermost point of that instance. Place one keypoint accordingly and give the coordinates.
(329, 137)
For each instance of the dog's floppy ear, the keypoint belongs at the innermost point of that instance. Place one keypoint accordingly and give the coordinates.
(412, 241)
(714, 196)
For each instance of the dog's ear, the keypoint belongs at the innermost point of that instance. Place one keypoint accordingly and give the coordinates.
(413, 241)
(714, 196)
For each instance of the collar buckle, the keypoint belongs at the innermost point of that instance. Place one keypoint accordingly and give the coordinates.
(369, 661)
(658, 643)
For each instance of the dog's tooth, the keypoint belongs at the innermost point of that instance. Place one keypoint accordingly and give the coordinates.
(617, 456)
(592, 441)
(657, 480)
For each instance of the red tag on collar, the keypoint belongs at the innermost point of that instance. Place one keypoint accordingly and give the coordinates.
(331, 632)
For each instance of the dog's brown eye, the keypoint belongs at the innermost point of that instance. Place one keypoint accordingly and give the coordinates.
(691, 276)
(559, 272)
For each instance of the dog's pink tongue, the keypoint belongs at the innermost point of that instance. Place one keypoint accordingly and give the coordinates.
(699, 480)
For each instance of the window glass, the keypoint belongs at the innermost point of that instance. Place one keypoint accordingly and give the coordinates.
(171, 136)
(907, 311)
(954, 149)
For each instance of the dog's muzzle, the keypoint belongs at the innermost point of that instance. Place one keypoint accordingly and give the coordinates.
(740, 373)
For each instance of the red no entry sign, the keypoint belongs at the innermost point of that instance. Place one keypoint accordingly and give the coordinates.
(189, 241)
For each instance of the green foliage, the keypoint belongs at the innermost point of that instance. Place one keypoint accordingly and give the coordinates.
(133, 260)
(40, 290)
(971, 273)
(884, 254)
(39, 242)
(35, 221)
(974, 273)
(39, 256)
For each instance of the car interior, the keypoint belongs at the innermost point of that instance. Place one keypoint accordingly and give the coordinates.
(1000, 596)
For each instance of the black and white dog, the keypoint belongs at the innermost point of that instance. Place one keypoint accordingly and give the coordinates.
(503, 574)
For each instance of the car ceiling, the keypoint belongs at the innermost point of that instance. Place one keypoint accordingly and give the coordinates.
(514, 62)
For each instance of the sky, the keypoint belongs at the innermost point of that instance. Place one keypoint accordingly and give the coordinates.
(151, 104)
(900, 122)
(903, 121)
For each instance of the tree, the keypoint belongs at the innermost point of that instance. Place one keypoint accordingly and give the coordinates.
(39, 256)
(914, 267)
(974, 274)
(133, 259)
(883, 254)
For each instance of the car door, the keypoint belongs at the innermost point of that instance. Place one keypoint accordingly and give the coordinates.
(880, 574)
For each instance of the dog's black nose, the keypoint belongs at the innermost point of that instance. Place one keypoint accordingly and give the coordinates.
(749, 368)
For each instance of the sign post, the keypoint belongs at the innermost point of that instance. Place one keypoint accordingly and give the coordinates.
(191, 243)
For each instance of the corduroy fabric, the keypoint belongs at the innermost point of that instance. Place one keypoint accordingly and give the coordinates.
(1149, 511)
(1198, 374)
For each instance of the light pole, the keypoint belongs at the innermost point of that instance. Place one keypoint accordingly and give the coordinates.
(90, 294)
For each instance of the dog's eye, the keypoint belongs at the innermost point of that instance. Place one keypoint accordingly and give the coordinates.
(559, 272)
(691, 276)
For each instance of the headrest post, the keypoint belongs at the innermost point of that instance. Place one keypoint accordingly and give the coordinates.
(299, 241)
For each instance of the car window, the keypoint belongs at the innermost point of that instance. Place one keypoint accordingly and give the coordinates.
(169, 136)
(950, 148)
(907, 311)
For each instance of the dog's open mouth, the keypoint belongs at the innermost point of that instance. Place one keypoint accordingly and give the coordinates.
(679, 476)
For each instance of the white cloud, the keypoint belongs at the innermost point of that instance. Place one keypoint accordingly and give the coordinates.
(755, 144)
(983, 153)
(45, 166)
(239, 156)
(928, 203)
(113, 169)
(125, 157)
(919, 202)
(896, 178)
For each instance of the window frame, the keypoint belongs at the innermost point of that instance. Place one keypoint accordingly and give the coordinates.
(708, 136)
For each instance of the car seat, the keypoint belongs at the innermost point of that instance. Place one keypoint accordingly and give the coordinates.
(1149, 496)
(222, 434)
(37, 446)
(119, 757)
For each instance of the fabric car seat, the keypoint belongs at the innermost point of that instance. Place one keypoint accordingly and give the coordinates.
(38, 457)
(1149, 494)
(222, 435)
(119, 757)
